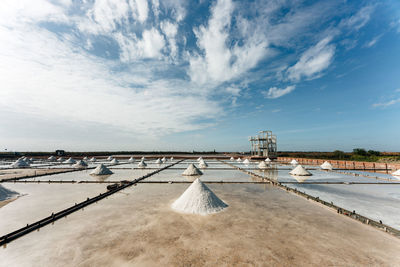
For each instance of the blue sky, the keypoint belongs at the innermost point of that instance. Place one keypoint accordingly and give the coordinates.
(184, 75)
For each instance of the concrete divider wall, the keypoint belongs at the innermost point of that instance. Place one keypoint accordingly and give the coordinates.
(346, 164)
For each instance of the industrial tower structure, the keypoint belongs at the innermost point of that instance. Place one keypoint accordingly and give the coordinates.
(263, 145)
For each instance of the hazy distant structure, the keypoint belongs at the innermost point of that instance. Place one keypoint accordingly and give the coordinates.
(263, 145)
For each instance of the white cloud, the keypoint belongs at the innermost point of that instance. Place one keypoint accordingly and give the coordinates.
(358, 20)
(373, 41)
(386, 104)
(132, 48)
(222, 63)
(170, 30)
(313, 61)
(275, 92)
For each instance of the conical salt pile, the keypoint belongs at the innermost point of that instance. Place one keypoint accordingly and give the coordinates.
(85, 158)
(101, 170)
(142, 164)
(52, 158)
(110, 158)
(239, 160)
(114, 161)
(6, 193)
(20, 163)
(192, 171)
(262, 165)
(80, 164)
(246, 161)
(201, 158)
(397, 173)
(294, 162)
(164, 160)
(172, 158)
(143, 158)
(70, 161)
(131, 159)
(158, 161)
(326, 166)
(232, 159)
(93, 159)
(267, 160)
(60, 159)
(203, 164)
(198, 199)
(300, 171)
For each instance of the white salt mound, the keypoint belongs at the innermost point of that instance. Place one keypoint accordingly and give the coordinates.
(70, 161)
(85, 158)
(80, 164)
(326, 166)
(262, 165)
(246, 161)
(198, 199)
(203, 164)
(93, 159)
(163, 159)
(192, 171)
(239, 160)
(110, 158)
(61, 159)
(397, 172)
(199, 159)
(114, 161)
(172, 158)
(52, 158)
(6, 193)
(158, 161)
(300, 171)
(20, 163)
(232, 159)
(142, 164)
(131, 159)
(267, 160)
(101, 170)
(294, 162)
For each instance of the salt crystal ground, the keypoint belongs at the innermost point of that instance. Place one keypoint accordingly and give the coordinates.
(262, 226)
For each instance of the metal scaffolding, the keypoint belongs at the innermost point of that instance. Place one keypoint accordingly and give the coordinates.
(263, 145)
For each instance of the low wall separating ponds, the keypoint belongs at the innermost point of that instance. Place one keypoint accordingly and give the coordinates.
(349, 213)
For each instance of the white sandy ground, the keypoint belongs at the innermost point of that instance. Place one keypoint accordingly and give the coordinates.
(263, 226)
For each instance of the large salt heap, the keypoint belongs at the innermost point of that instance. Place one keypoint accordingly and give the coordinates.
(172, 158)
(198, 199)
(101, 170)
(326, 166)
(294, 162)
(164, 160)
(239, 160)
(262, 165)
(52, 158)
(300, 171)
(110, 158)
(199, 159)
(158, 161)
(131, 160)
(20, 163)
(267, 160)
(80, 164)
(93, 159)
(60, 159)
(232, 159)
(192, 171)
(246, 162)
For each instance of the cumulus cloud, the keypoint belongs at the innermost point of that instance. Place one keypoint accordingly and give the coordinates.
(275, 92)
(313, 61)
(221, 62)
